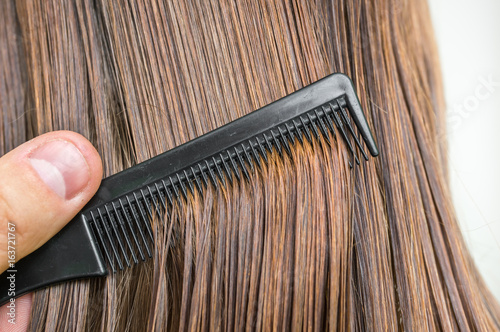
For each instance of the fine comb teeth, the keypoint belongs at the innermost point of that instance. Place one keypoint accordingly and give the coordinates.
(113, 229)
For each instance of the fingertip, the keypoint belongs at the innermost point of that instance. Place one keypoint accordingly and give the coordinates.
(45, 182)
(92, 158)
(86, 148)
(15, 315)
(67, 162)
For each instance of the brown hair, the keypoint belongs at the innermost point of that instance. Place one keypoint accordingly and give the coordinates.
(306, 244)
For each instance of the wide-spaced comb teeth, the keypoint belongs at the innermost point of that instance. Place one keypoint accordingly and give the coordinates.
(114, 230)
(255, 154)
(305, 129)
(234, 166)
(247, 152)
(196, 180)
(227, 168)
(219, 171)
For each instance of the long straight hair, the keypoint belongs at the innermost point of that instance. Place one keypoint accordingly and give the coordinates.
(307, 243)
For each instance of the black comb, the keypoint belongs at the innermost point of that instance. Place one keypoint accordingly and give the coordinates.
(113, 231)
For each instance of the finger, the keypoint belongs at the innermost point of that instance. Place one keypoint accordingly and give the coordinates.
(14, 316)
(43, 184)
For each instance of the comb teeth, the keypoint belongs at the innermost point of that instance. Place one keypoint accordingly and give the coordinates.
(121, 226)
(120, 212)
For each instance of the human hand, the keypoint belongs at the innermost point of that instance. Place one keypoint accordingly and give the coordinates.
(44, 183)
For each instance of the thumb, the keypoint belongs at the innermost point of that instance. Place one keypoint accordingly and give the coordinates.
(44, 183)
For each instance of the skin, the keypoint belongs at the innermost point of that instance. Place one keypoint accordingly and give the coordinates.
(37, 212)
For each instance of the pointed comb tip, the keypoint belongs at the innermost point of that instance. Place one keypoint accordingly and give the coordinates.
(357, 115)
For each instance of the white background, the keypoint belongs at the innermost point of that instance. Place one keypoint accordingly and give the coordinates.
(468, 38)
